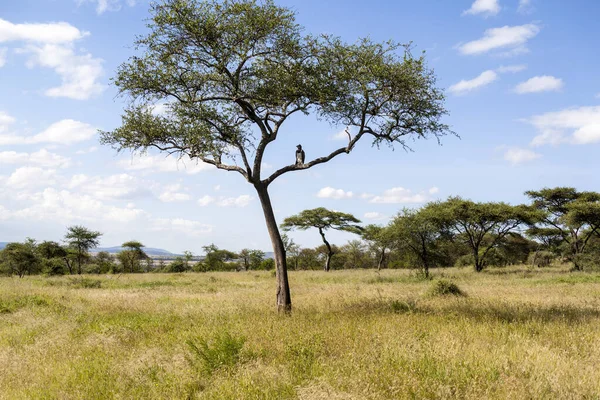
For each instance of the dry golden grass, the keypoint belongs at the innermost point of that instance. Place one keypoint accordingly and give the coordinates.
(518, 333)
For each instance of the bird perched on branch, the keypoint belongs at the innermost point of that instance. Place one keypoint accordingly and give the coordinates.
(300, 156)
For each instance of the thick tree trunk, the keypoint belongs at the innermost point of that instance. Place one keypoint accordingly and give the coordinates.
(329, 251)
(284, 300)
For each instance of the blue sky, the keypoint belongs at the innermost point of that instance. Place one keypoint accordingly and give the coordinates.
(522, 89)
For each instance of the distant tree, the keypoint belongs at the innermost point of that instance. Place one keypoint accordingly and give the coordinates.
(323, 220)
(81, 240)
(482, 226)
(132, 256)
(557, 226)
(292, 250)
(105, 261)
(54, 258)
(417, 231)
(188, 256)
(308, 259)
(356, 254)
(20, 258)
(251, 259)
(380, 239)
(233, 72)
(216, 258)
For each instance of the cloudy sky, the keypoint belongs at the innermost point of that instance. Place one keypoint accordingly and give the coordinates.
(522, 85)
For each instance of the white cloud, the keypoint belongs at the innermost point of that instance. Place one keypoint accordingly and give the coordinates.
(87, 151)
(525, 6)
(64, 206)
(172, 197)
(172, 193)
(188, 227)
(52, 46)
(206, 200)
(31, 177)
(465, 86)
(79, 73)
(3, 52)
(52, 33)
(66, 132)
(164, 164)
(540, 84)
(331, 193)
(506, 37)
(518, 156)
(400, 195)
(341, 135)
(5, 121)
(511, 68)
(434, 190)
(217, 188)
(114, 187)
(375, 216)
(42, 158)
(103, 6)
(573, 125)
(485, 7)
(240, 201)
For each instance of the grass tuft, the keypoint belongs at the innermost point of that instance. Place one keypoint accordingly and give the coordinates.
(221, 352)
(444, 287)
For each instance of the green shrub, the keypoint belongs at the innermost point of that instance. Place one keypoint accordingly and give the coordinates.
(222, 352)
(445, 288)
(465, 261)
(267, 264)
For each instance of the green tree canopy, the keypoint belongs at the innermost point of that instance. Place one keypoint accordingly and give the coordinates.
(323, 219)
(482, 225)
(568, 217)
(380, 238)
(231, 73)
(81, 240)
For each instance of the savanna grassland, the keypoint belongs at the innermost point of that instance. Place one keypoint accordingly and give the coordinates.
(516, 333)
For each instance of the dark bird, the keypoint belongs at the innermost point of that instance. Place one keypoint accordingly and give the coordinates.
(300, 156)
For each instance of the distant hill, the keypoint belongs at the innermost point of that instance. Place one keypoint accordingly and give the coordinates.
(148, 250)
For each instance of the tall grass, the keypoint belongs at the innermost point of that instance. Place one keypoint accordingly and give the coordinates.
(352, 335)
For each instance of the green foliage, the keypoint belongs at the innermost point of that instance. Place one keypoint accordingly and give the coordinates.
(267, 264)
(570, 218)
(105, 261)
(223, 351)
(20, 259)
(177, 265)
(81, 240)
(323, 219)
(482, 226)
(216, 259)
(444, 287)
(541, 258)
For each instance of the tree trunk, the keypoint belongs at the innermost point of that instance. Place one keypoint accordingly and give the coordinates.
(478, 262)
(284, 300)
(329, 251)
(381, 259)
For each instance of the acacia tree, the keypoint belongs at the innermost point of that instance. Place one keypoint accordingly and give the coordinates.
(323, 219)
(482, 225)
(417, 231)
(568, 217)
(230, 73)
(380, 239)
(81, 240)
(131, 256)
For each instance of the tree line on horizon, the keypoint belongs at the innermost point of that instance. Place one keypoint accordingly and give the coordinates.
(559, 225)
